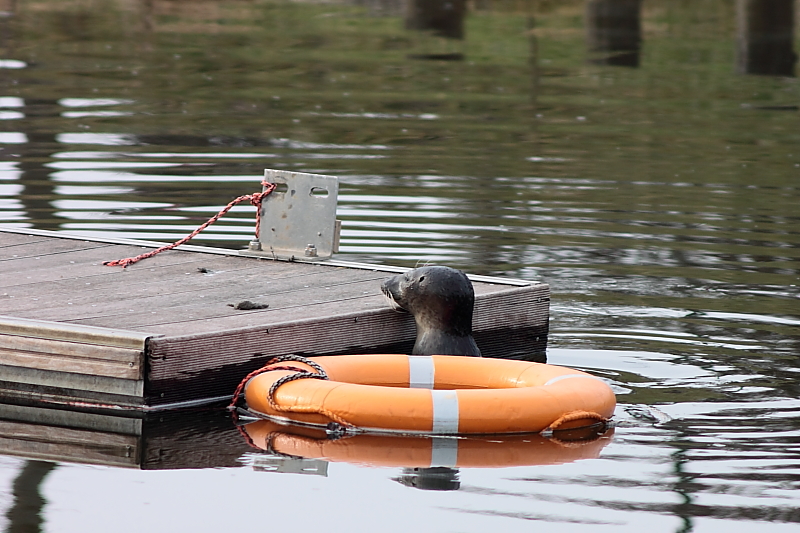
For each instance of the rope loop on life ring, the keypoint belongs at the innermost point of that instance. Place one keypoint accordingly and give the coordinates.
(268, 367)
(569, 417)
(299, 373)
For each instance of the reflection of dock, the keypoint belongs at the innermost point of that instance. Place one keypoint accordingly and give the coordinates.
(162, 333)
(166, 441)
(208, 438)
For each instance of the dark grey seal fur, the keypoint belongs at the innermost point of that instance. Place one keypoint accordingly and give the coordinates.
(441, 300)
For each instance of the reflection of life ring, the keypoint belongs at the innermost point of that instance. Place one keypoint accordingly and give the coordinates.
(434, 395)
(422, 452)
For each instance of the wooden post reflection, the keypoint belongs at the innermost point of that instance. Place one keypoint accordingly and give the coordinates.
(765, 37)
(533, 60)
(25, 515)
(445, 18)
(614, 32)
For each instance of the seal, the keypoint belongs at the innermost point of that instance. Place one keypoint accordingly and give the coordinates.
(441, 300)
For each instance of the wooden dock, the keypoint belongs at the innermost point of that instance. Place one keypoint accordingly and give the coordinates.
(163, 333)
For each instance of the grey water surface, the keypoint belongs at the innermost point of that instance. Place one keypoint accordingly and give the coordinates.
(643, 158)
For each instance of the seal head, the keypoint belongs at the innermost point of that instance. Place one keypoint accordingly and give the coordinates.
(441, 300)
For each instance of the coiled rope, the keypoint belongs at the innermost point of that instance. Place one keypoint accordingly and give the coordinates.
(256, 199)
(299, 373)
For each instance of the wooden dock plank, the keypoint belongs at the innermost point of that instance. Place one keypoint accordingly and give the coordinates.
(70, 386)
(298, 309)
(127, 357)
(196, 298)
(72, 365)
(44, 251)
(60, 331)
(115, 285)
(9, 240)
(89, 259)
(82, 265)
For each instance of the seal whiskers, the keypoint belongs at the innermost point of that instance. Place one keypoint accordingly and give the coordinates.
(441, 299)
(392, 302)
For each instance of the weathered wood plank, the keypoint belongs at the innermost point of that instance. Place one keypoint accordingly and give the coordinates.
(46, 249)
(90, 269)
(174, 281)
(59, 331)
(205, 299)
(8, 240)
(372, 300)
(177, 320)
(274, 315)
(84, 264)
(74, 365)
(70, 386)
(61, 362)
(120, 356)
(92, 255)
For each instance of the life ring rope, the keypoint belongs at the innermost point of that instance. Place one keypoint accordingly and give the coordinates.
(269, 367)
(574, 415)
(299, 373)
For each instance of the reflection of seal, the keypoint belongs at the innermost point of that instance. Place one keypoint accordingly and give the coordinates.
(441, 300)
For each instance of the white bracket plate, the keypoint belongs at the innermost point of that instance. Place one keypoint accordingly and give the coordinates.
(298, 220)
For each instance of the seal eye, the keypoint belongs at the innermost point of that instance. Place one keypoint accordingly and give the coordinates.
(421, 279)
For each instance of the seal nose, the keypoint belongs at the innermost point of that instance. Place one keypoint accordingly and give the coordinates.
(385, 286)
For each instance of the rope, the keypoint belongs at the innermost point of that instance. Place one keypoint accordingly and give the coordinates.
(240, 388)
(268, 368)
(299, 374)
(321, 374)
(247, 438)
(574, 415)
(256, 199)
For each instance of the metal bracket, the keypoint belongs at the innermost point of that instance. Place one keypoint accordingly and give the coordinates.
(298, 220)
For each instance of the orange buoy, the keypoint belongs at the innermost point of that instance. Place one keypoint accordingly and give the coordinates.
(431, 395)
(423, 452)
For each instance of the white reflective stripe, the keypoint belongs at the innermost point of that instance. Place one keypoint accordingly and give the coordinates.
(566, 376)
(444, 451)
(420, 371)
(445, 412)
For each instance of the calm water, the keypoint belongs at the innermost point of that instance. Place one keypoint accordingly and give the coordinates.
(659, 200)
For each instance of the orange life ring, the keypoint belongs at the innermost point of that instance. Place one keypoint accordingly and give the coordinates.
(433, 395)
(422, 452)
